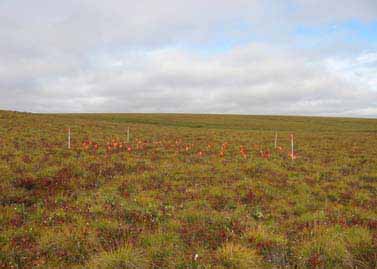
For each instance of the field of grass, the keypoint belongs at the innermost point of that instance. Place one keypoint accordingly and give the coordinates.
(187, 191)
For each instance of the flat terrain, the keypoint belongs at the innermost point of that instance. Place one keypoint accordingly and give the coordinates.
(187, 191)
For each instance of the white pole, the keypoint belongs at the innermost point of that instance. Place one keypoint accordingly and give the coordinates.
(292, 152)
(276, 139)
(69, 138)
(128, 134)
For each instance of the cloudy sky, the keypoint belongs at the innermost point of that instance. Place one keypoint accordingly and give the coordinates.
(306, 57)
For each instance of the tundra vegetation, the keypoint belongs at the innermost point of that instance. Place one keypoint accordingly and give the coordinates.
(187, 191)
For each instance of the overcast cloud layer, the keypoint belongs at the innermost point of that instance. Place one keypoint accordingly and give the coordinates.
(308, 57)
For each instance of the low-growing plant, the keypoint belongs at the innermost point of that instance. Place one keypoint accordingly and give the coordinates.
(164, 249)
(125, 257)
(271, 245)
(337, 247)
(178, 196)
(234, 256)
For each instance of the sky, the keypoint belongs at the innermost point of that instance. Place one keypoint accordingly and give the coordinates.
(275, 57)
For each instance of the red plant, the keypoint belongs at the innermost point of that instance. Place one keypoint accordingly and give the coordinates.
(315, 260)
(224, 147)
(243, 152)
(265, 154)
(294, 156)
(250, 197)
(95, 146)
(90, 145)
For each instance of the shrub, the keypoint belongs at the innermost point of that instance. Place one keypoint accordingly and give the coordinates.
(359, 241)
(208, 228)
(111, 234)
(234, 256)
(66, 246)
(125, 257)
(271, 245)
(338, 247)
(220, 198)
(21, 248)
(164, 249)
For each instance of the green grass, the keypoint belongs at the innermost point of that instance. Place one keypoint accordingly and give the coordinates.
(182, 193)
(238, 122)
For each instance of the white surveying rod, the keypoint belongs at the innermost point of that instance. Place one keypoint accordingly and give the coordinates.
(292, 152)
(69, 138)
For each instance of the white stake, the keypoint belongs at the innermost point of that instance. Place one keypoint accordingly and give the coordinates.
(292, 152)
(128, 134)
(276, 139)
(69, 138)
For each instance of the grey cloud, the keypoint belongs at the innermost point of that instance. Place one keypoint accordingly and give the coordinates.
(124, 56)
(280, 84)
(78, 26)
(315, 11)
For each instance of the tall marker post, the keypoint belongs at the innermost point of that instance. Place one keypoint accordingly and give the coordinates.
(276, 139)
(128, 134)
(292, 151)
(69, 138)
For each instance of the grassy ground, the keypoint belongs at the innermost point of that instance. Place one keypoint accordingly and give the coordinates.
(188, 191)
